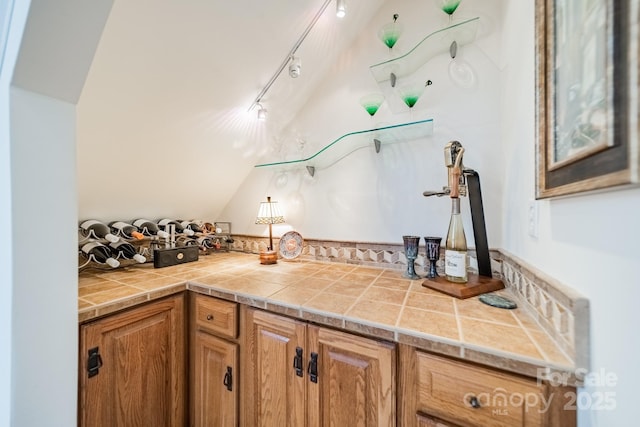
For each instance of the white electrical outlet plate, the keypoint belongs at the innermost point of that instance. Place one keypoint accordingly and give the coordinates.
(533, 219)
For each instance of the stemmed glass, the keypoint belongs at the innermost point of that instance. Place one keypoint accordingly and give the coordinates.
(412, 92)
(390, 33)
(411, 253)
(433, 254)
(448, 7)
(372, 102)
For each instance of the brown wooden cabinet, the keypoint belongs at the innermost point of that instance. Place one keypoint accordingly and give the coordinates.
(132, 367)
(298, 375)
(213, 362)
(248, 367)
(439, 391)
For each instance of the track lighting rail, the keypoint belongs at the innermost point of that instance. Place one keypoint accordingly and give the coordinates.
(289, 56)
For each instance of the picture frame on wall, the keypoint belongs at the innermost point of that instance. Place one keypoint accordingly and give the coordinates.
(587, 91)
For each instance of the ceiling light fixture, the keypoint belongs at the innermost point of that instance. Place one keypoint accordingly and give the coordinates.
(290, 55)
(341, 8)
(262, 113)
(295, 67)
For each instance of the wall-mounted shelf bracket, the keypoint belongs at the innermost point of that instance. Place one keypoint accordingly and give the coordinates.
(377, 143)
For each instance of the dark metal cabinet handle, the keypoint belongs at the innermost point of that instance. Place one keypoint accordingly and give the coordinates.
(209, 316)
(94, 363)
(313, 368)
(228, 379)
(297, 362)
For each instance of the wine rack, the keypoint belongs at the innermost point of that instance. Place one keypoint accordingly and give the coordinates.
(220, 234)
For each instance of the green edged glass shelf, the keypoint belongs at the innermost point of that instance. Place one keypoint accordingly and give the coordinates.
(353, 141)
(394, 74)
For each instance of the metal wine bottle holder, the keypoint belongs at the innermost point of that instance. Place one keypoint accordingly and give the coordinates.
(468, 181)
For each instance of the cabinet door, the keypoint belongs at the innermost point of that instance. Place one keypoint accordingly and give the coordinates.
(356, 381)
(141, 380)
(276, 394)
(215, 401)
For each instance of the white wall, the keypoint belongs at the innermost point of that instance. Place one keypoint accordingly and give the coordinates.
(10, 43)
(378, 197)
(39, 328)
(45, 293)
(588, 242)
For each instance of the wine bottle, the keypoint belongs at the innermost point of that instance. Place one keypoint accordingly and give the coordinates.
(205, 242)
(185, 241)
(149, 228)
(166, 222)
(100, 253)
(455, 255)
(97, 230)
(191, 225)
(127, 231)
(127, 251)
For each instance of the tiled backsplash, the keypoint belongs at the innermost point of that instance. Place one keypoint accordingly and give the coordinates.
(562, 312)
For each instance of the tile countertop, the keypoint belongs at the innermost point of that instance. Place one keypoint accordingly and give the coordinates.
(366, 300)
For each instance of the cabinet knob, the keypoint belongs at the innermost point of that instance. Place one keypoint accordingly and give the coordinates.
(473, 401)
(209, 316)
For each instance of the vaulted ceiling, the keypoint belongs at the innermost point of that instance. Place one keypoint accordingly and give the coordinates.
(172, 83)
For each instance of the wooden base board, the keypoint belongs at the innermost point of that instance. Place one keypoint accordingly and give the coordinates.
(475, 285)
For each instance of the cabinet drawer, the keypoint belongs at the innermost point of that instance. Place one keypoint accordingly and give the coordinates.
(474, 396)
(426, 421)
(216, 316)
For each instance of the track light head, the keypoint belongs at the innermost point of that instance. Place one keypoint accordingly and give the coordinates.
(295, 67)
(341, 8)
(262, 113)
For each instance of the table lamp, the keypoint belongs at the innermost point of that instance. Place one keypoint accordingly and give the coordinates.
(269, 213)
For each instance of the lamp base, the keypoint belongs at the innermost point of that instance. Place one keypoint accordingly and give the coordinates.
(268, 257)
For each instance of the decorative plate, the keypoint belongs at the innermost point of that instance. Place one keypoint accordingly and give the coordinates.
(291, 245)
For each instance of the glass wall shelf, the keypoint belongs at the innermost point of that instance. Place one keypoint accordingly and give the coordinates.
(353, 141)
(433, 44)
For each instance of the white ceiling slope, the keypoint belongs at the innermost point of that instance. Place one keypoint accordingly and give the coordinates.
(169, 88)
(58, 44)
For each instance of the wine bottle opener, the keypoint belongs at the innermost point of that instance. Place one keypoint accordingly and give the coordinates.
(463, 180)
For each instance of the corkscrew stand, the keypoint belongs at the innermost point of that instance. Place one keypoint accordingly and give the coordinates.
(461, 180)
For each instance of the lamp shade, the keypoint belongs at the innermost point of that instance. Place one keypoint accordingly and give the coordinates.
(269, 213)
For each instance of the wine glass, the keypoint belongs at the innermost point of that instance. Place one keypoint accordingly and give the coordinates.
(411, 253)
(433, 254)
(411, 93)
(391, 32)
(448, 7)
(372, 102)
